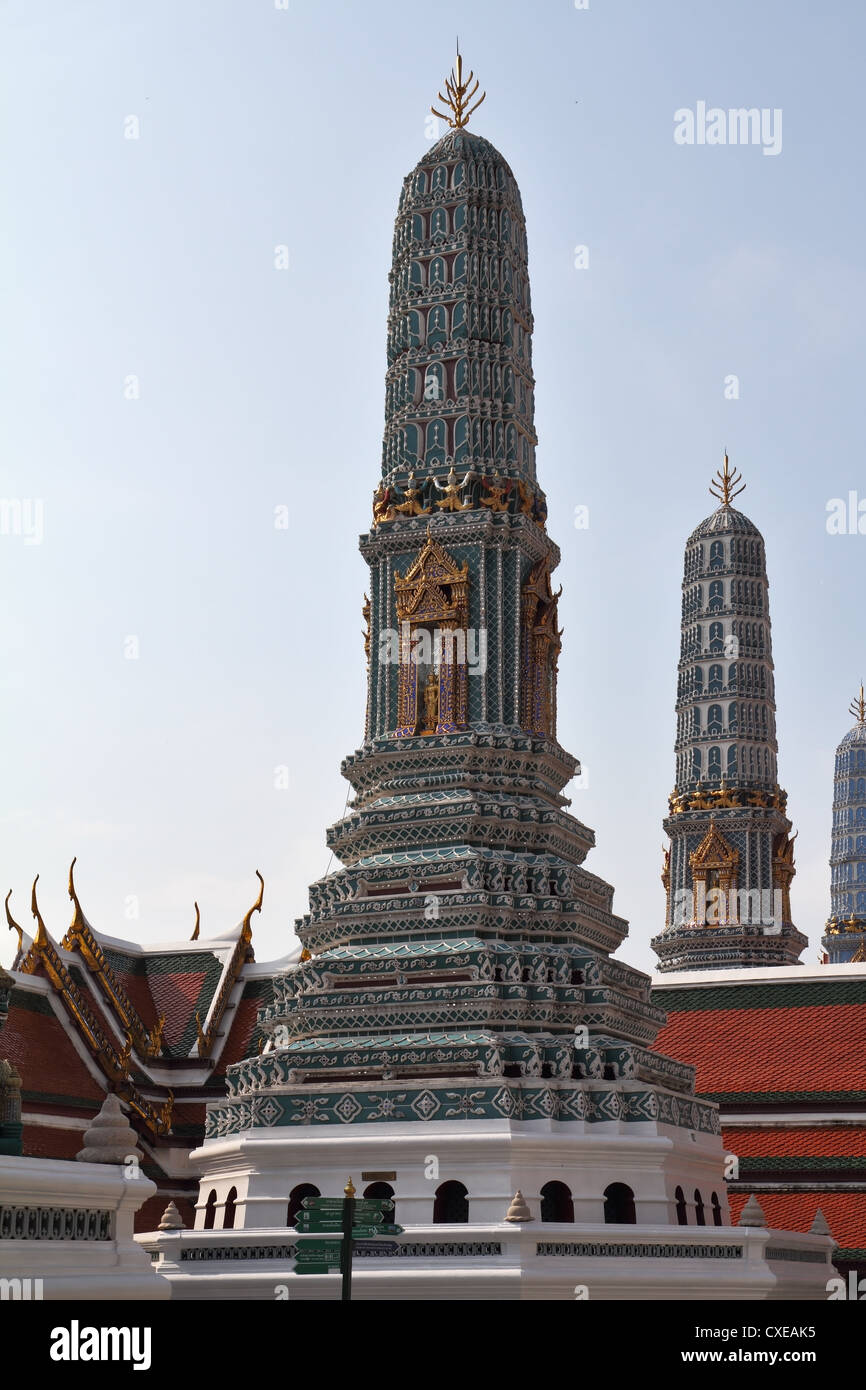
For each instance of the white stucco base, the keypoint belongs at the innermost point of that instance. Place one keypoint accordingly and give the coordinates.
(72, 1267)
(488, 1258)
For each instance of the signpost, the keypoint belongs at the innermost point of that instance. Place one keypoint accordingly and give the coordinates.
(346, 1224)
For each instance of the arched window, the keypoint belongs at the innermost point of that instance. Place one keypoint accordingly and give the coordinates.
(679, 1195)
(210, 1210)
(451, 1205)
(699, 679)
(717, 1209)
(714, 720)
(717, 555)
(437, 325)
(296, 1200)
(732, 762)
(696, 764)
(716, 680)
(619, 1205)
(556, 1202)
(229, 1209)
(439, 223)
(717, 596)
(717, 639)
(732, 719)
(380, 1189)
(700, 1219)
(434, 377)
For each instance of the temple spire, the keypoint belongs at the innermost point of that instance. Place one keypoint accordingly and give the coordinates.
(858, 707)
(459, 95)
(726, 488)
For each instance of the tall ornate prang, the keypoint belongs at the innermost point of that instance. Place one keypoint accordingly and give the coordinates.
(457, 966)
(728, 872)
(455, 1028)
(845, 936)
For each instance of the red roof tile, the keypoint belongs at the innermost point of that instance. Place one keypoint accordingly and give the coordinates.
(822, 1141)
(43, 1141)
(795, 1211)
(789, 1049)
(36, 1041)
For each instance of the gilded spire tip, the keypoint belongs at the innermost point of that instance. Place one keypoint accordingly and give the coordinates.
(729, 485)
(858, 707)
(458, 96)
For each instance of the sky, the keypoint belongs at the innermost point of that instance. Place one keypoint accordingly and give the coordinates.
(180, 677)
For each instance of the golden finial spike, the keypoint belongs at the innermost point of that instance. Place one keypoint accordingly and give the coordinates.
(858, 707)
(194, 936)
(41, 937)
(77, 915)
(246, 929)
(729, 484)
(459, 96)
(13, 925)
(349, 1189)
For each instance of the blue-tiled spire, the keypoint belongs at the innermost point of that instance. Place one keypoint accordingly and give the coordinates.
(845, 938)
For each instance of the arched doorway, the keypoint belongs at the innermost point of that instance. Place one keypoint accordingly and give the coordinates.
(619, 1205)
(451, 1205)
(556, 1202)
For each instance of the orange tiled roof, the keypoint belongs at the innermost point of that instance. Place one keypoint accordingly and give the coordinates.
(795, 1211)
(800, 1050)
(820, 1141)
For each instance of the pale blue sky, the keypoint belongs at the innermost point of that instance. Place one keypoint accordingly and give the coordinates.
(154, 257)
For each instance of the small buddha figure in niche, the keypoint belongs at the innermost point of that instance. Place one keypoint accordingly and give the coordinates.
(431, 702)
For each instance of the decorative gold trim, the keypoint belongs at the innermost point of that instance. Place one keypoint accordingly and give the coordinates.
(41, 937)
(13, 926)
(783, 869)
(726, 489)
(194, 936)
(458, 96)
(714, 857)
(80, 937)
(115, 1062)
(433, 594)
(540, 647)
(242, 954)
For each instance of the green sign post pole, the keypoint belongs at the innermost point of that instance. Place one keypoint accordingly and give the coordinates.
(348, 1224)
(346, 1242)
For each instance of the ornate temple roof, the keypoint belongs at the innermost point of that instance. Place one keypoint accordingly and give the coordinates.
(782, 1053)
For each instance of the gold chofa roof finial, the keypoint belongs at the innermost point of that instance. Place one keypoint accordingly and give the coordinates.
(459, 95)
(726, 489)
(858, 707)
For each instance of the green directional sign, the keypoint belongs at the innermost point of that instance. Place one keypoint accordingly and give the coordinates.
(317, 1269)
(323, 1251)
(318, 1223)
(330, 1206)
(312, 1221)
(376, 1247)
(375, 1232)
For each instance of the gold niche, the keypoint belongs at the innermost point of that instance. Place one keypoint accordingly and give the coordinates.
(783, 870)
(715, 869)
(432, 612)
(540, 647)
